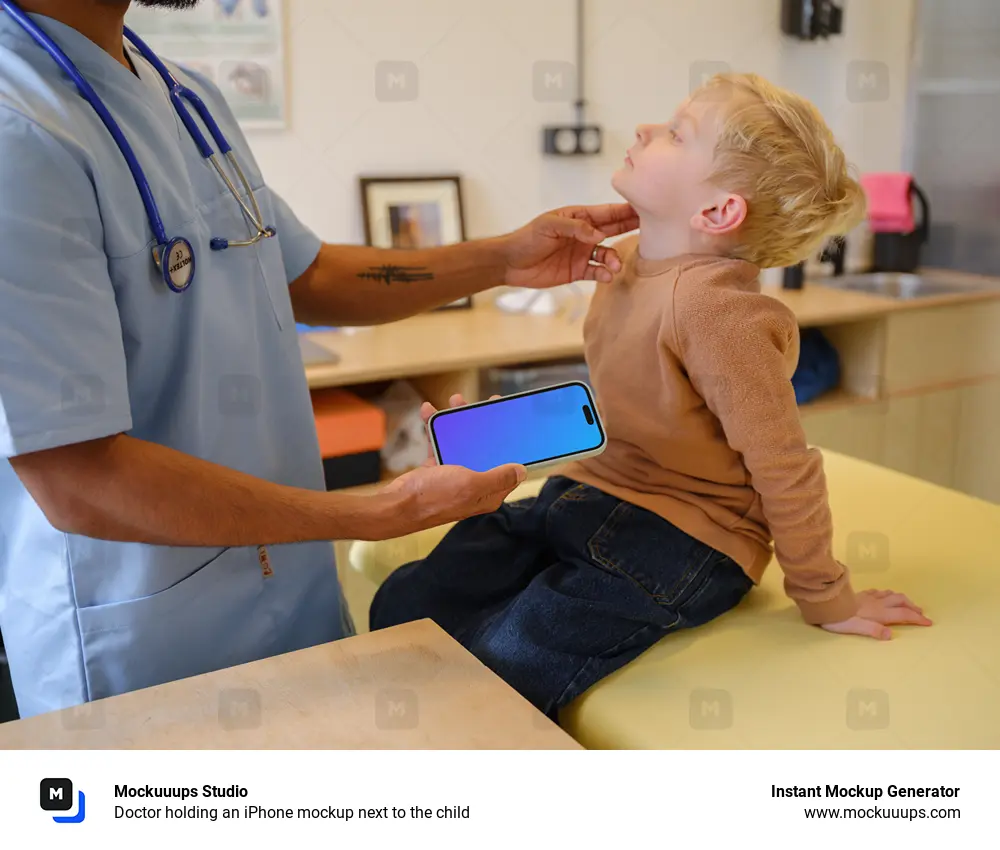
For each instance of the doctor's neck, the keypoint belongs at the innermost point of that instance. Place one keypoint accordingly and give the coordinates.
(99, 20)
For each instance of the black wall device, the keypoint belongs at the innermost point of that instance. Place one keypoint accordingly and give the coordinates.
(572, 140)
(809, 20)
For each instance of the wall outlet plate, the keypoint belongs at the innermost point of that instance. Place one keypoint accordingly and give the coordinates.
(572, 140)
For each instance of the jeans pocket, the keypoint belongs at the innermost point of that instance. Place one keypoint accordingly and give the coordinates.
(572, 493)
(722, 586)
(662, 560)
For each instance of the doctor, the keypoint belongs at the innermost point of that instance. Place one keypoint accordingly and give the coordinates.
(162, 505)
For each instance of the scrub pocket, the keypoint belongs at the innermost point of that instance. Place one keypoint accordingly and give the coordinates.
(210, 620)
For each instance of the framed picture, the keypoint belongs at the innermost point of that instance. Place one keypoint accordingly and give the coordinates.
(414, 212)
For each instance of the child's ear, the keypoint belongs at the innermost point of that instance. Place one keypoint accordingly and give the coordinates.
(724, 216)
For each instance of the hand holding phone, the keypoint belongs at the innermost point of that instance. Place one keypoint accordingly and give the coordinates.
(537, 429)
(431, 496)
(427, 411)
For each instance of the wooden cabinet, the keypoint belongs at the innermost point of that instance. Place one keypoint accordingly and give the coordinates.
(939, 345)
(935, 377)
(977, 455)
(857, 431)
(922, 435)
(949, 437)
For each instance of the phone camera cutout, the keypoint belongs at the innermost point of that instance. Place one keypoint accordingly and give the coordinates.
(588, 415)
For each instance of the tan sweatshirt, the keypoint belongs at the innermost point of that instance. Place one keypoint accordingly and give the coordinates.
(691, 368)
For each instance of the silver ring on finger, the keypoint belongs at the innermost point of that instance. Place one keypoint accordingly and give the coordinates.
(593, 254)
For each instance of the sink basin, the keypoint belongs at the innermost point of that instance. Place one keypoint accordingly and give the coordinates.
(901, 286)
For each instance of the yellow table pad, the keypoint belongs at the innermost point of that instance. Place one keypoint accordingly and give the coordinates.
(759, 677)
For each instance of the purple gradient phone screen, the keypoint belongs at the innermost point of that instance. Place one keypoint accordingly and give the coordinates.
(544, 425)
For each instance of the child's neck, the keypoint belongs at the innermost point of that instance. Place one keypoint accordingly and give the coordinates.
(661, 240)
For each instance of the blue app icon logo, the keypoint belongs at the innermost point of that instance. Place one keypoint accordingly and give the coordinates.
(56, 795)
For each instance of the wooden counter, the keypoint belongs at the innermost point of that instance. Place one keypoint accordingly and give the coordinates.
(410, 687)
(920, 378)
(444, 341)
(456, 340)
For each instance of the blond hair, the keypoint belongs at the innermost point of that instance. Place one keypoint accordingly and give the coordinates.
(776, 151)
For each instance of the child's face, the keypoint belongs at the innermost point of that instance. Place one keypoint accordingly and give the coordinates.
(665, 174)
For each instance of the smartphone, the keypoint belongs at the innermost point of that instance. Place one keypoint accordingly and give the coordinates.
(537, 428)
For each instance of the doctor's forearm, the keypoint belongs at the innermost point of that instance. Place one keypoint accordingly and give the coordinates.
(129, 490)
(361, 285)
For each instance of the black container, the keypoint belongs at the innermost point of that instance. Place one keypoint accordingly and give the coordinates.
(793, 277)
(352, 470)
(811, 19)
(8, 703)
(900, 252)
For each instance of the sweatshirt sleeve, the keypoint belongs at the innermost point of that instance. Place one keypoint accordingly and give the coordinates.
(739, 349)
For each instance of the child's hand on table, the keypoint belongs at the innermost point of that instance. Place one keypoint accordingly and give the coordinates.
(879, 609)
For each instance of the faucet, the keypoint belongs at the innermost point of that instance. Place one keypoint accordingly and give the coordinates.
(835, 252)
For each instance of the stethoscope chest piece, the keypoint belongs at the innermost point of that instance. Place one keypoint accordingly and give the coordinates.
(176, 264)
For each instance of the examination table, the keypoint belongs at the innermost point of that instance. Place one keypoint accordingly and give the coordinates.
(759, 678)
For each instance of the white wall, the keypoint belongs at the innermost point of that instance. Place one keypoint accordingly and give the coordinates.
(476, 114)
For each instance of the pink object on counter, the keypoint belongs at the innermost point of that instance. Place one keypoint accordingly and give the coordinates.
(890, 207)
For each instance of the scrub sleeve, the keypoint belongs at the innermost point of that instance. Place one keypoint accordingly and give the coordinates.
(62, 362)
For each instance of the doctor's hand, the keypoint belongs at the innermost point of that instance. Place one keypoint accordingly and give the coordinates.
(434, 495)
(877, 610)
(556, 247)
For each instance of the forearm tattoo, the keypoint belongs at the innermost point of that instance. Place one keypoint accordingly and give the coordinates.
(396, 274)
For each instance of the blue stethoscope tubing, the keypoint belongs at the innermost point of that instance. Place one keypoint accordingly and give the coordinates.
(172, 256)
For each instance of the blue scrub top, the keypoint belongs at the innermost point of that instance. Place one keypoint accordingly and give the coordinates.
(92, 343)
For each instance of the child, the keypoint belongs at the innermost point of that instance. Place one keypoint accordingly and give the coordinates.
(706, 461)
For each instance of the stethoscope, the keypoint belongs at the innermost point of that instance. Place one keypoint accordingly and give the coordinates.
(174, 257)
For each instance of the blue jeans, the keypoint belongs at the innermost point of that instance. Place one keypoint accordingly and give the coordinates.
(555, 593)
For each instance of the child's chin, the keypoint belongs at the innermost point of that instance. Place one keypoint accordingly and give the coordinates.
(619, 182)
